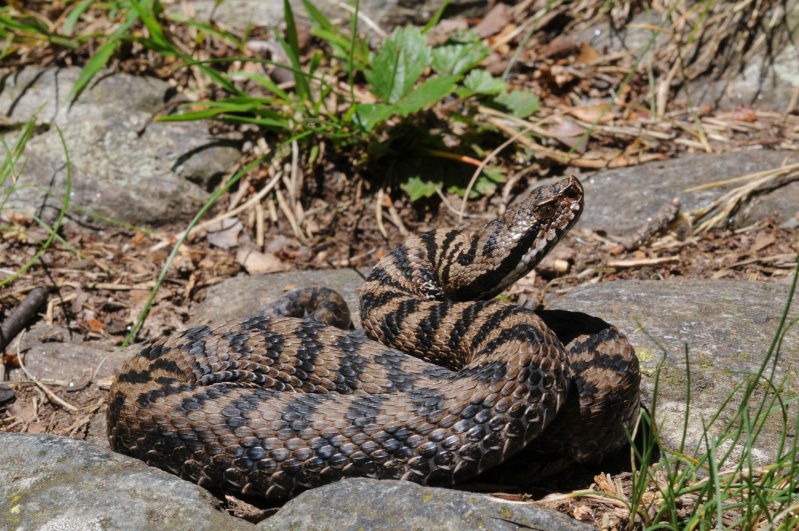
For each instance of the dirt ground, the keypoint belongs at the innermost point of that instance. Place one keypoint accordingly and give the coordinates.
(98, 279)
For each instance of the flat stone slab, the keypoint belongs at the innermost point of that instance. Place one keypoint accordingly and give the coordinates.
(727, 327)
(355, 504)
(242, 296)
(124, 165)
(620, 201)
(57, 483)
(388, 14)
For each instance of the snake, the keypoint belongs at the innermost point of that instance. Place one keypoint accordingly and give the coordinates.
(444, 381)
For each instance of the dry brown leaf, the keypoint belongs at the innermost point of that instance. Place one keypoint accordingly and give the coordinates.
(258, 263)
(592, 113)
(604, 483)
(494, 21)
(559, 47)
(95, 325)
(225, 233)
(588, 54)
(584, 513)
(762, 241)
(567, 132)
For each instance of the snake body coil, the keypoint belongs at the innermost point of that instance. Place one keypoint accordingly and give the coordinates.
(458, 382)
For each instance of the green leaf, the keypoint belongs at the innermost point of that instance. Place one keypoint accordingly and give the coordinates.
(96, 63)
(417, 188)
(398, 64)
(481, 82)
(495, 174)
(342, 43)
(430, 91)
(291, 45)
(520, 103)
(74, 16)
(318, 17)
(100, 58)
(147, 14)
(459, 58)
(204, 27)
(264, 81)
(369, 115)
(435, 18)
(484, 186)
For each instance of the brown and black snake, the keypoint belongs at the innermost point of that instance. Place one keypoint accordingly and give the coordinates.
(452, 382)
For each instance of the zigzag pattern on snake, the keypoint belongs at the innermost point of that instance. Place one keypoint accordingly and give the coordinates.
(458, 382)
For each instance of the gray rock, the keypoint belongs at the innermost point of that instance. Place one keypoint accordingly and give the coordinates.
(388, 14)
(764, 75)
(120, 168)
(54, 357)
(727, 327)
(637, 36)
(373, 504)
(620, 201)
(53, 483)
(782, 205)
(241, 296)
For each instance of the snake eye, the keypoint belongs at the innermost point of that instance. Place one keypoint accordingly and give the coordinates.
(547, 210)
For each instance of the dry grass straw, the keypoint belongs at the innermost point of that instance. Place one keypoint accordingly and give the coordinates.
(719, 212)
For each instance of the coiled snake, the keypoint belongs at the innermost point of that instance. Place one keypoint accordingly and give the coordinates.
(459, 381)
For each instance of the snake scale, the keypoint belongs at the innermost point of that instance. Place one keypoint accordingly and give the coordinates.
(453, 382)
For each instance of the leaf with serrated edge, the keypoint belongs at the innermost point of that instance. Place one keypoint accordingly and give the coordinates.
(520, 103)
(371, 114)
(430, 91)
(398, 64)
(481, 82)
(459, 58)
(417, 188)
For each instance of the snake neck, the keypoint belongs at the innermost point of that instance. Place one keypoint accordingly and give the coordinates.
(412, 299)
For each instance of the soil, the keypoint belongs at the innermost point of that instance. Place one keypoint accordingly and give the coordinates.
(99, 280)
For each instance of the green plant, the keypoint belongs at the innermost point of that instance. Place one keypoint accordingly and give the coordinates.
(22, 30)
(405, 75)
(717, 484)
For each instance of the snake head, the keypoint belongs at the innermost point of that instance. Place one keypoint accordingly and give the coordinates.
(509, 247)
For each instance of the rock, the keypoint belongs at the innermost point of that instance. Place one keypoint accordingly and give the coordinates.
(727, 327)
(620, 201)
(7, 396)
(49, 357)
(53, 483)
(633, 37)
(61, 360)
(387, 14)
(242, 296)
(781, 204)
(120, 159)
(373, 504)
(765, 76)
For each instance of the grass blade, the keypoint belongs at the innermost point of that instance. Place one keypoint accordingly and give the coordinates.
(291, 45)
(59, 220)
(206, 207)
(98, 61)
